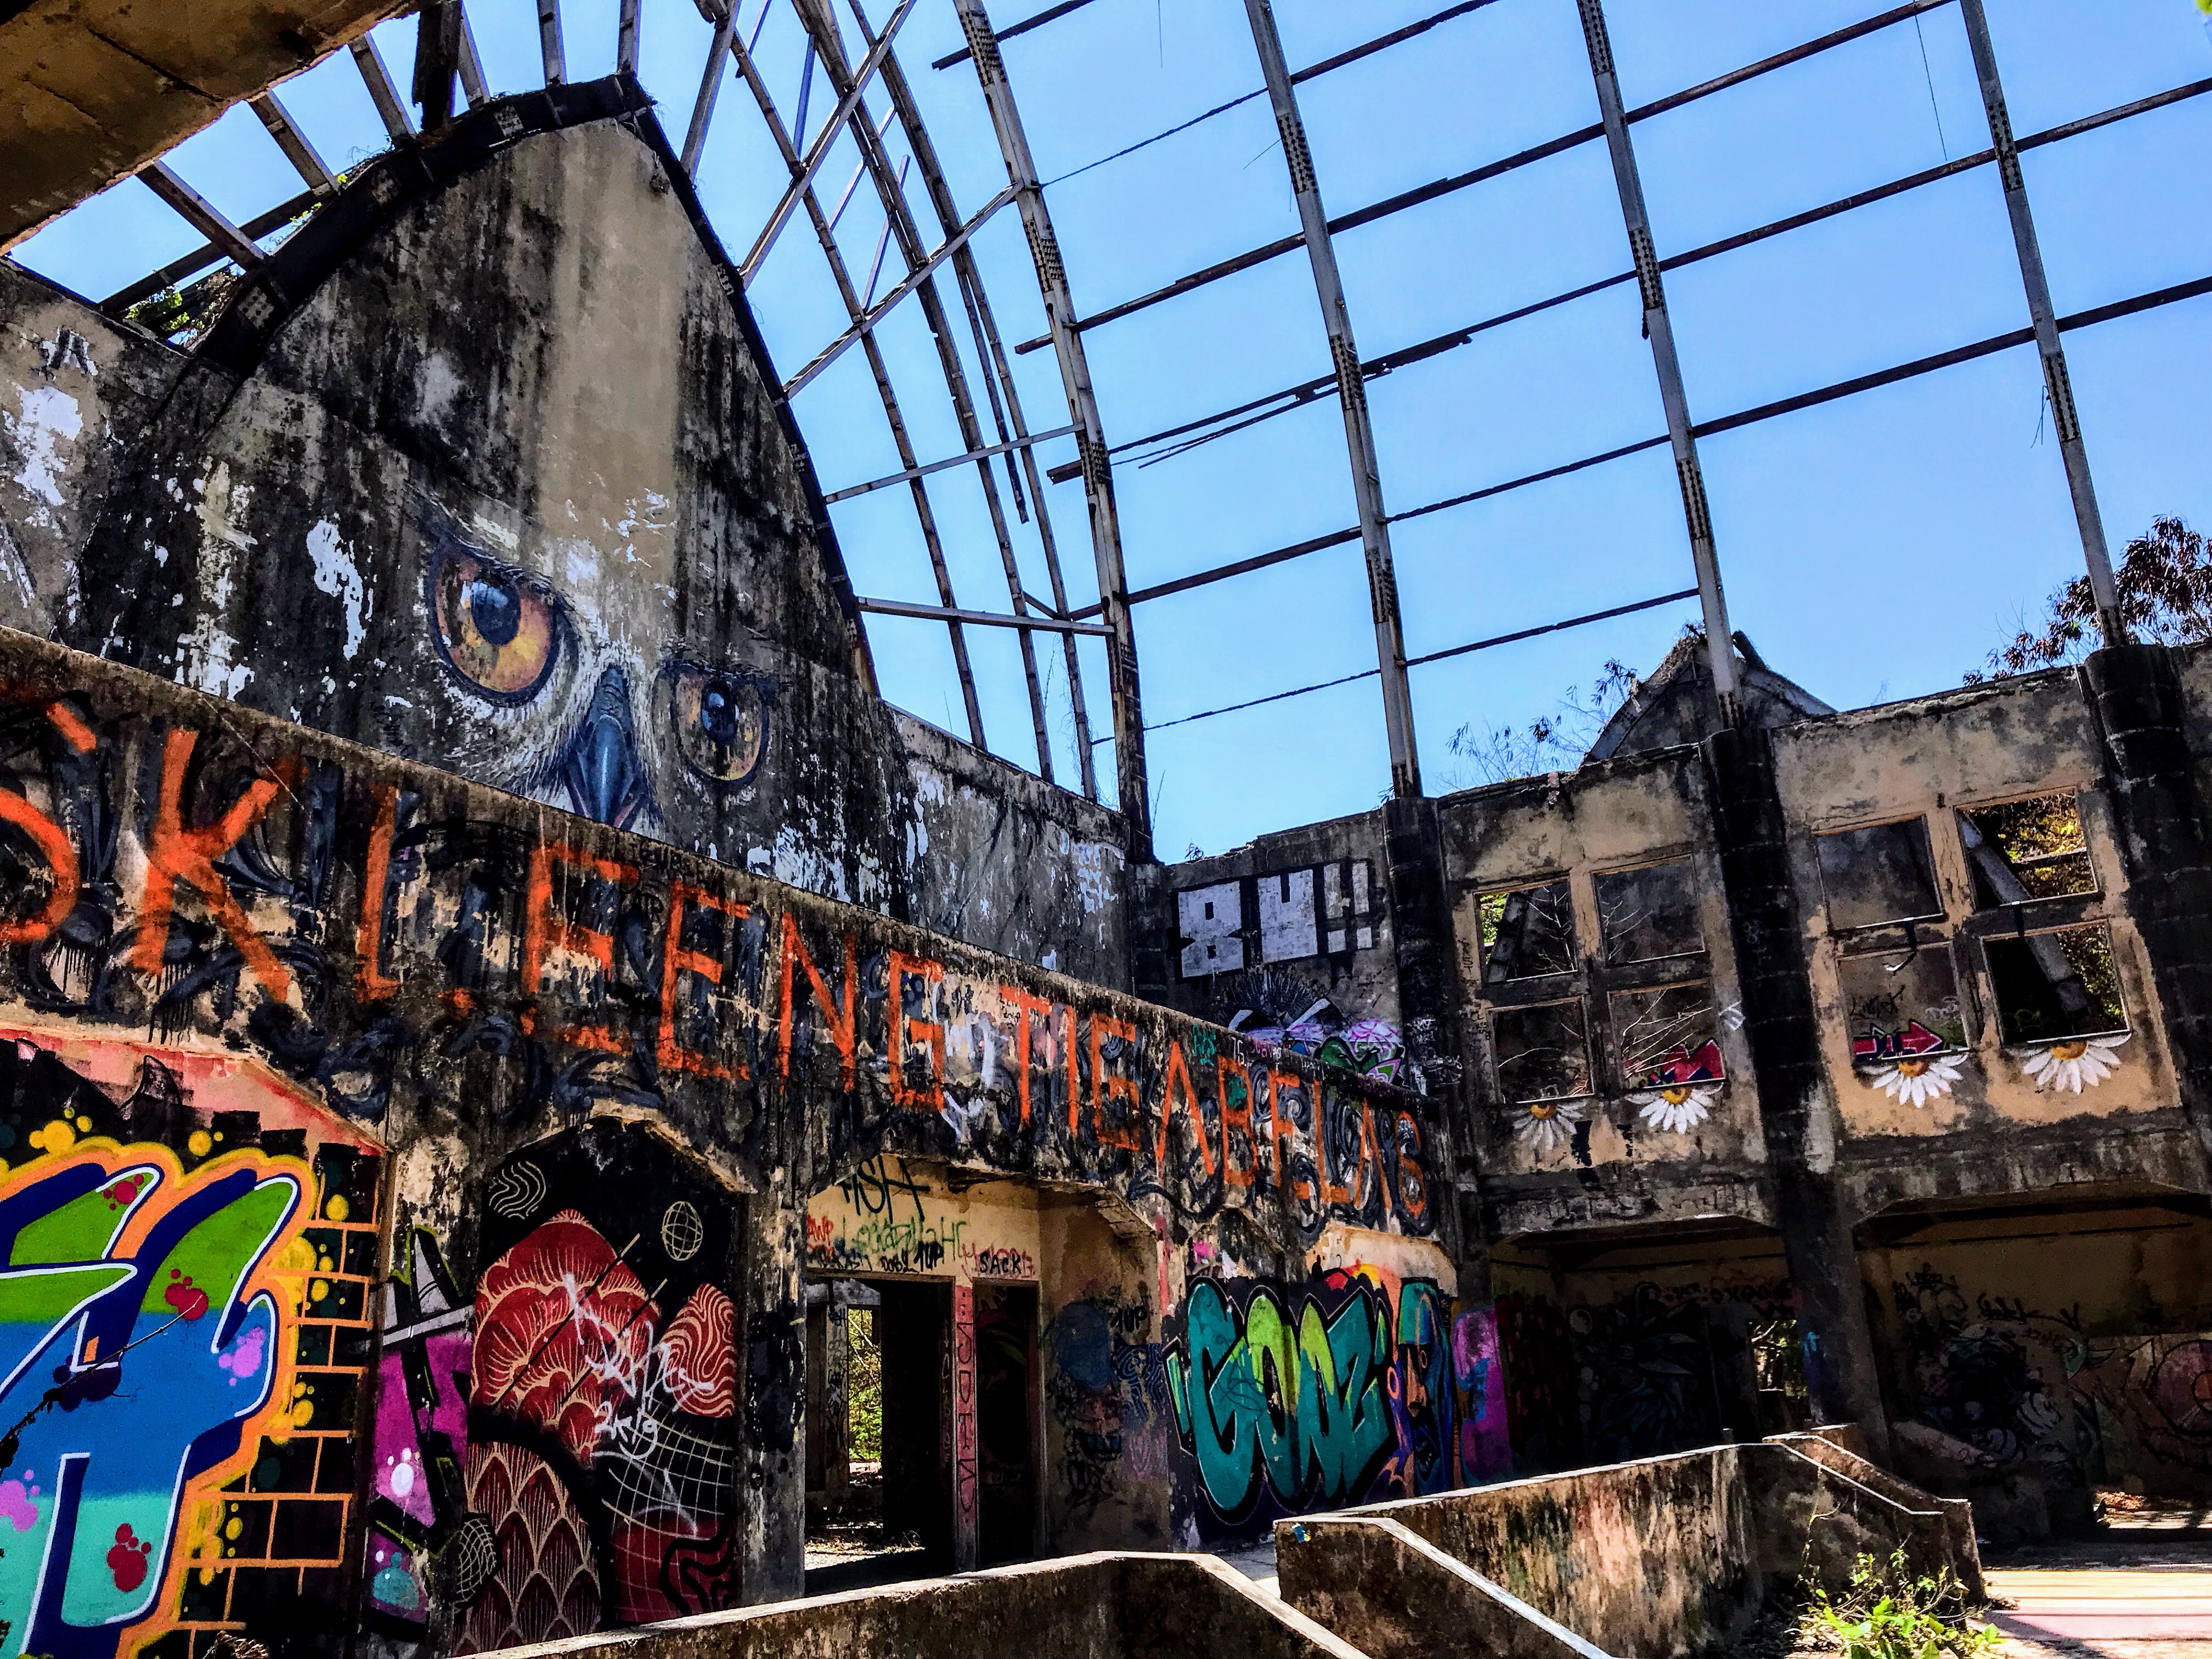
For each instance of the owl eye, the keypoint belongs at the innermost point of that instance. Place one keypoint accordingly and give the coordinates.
(493, 631)
(720, 718)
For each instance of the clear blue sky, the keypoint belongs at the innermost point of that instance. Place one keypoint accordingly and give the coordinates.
(1872, 548)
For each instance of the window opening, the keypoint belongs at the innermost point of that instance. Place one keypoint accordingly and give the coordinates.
(1527, 933)
(1651, 913)
(1903, 1006)
(1880, 872)
(1542, 1053)
(2056, 985)
(2027, 849)
(1668, 1037)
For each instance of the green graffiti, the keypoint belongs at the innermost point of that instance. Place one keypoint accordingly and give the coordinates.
(1305, 1404)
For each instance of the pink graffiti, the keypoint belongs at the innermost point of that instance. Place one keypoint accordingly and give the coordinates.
(243, 1359)
(16, 1505)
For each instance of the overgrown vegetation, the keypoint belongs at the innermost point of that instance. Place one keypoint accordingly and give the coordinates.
(1555, 743)
(864, 1386)
(2165, 583)
(1889, 1612)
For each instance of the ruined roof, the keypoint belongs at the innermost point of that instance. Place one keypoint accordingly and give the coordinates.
(1674, 703)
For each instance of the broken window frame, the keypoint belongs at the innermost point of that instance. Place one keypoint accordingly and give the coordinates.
(1485, 929)
(2008, 1035)
(1935, 910)
(1499, 1060)
(1980, 856)
(1687, 863)
(1895, 961)
(1631, 1080)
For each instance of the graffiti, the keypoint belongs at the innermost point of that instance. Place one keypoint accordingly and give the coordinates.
(1106, 1387)
(1485, 1441)
(1288, 1402)
(887, 1218)
(175, 1335)
(1324, 910)
(961, 1424)
(997, 1262)
(1663, 1369)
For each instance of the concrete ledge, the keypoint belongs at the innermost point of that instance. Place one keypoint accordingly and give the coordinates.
(1395, 1595)
(1955, 1548)
(1103, 1606)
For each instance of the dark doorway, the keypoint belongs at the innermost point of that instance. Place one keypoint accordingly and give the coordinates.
(878, 1498)
(1006, 1417)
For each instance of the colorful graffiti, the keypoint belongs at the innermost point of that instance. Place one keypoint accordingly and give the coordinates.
(1347, 1390)
(890, 1216)
(1106, 1387)
(169, 1310)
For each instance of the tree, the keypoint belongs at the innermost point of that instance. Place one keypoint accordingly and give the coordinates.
(2165, 583)
(1556, 742)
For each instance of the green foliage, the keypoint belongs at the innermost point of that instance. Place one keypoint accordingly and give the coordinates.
(2165, 586)
(864, 1386)
(1890, 1613)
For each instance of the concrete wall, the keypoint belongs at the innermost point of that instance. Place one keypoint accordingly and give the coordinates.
(465, 1149)
(515, 366)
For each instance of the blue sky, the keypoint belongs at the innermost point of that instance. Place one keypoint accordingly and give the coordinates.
(1874, 548)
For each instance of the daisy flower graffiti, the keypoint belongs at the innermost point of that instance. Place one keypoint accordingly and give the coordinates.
(1547, 1125)
(1917, 1080)
(2076, 1064)
(1679, 1107)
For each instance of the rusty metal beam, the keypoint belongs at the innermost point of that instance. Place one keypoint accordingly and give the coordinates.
(851, 490)
(1659, 328)
(710, 86)
(914, 280)
(749, 72)
(2063, 415)
(1135, 790)
(984, 618)
(1004, 395)
(198, 212)
(1352, 397)
(822, 29)
(814, 158)
(294, 142)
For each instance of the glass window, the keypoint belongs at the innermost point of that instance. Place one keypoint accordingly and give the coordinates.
(1668, 1037)
(1903, 1004)
(1542, 1053)
(1644, 915)
(2027, 849)
(1881, 872)
(2054, 985)
(1527, 933)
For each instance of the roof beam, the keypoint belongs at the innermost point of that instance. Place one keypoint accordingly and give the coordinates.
(984, 618)
(199, 213)
(985, 453)
(381, 93)
(294, 142)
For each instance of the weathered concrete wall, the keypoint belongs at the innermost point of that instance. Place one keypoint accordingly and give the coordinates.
(512, 373)
(524, 1112)
(1092, 1607)
(1003, 860)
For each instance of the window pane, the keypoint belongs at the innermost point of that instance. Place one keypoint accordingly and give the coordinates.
(1668, 1037)
(1903, 1005)
(1879, 874)
(1542, 1053)
(2056, 985)
(1647, 914)
(2027, 849)
(1528, 933)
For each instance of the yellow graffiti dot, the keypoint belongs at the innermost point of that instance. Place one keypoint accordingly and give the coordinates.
(232, 1528)
(207, 1575)
(319, 1289)
(296, 1257)
(298, 1390)
(218, 1134)
(56, 1136)
(337, 1209)
(199, 1143)
(326, 1264)
(85, 1124)
(303, 1413)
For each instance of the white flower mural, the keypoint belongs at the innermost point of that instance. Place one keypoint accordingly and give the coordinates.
(1679, 1107)
(1917, 1080)
(1547, 1125)
(2076, 1064)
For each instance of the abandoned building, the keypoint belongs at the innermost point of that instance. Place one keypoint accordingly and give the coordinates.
(500, 1012)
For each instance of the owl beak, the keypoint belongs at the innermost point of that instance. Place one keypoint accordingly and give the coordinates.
(600, 766)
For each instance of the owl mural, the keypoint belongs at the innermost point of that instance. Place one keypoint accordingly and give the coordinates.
(508, 489)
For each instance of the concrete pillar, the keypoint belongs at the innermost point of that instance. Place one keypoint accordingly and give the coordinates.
(2137, 692)
(960, 1430)
(772, 1536)
(1796, 1110)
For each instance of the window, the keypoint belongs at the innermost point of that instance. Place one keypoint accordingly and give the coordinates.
(1542, 1053)
(1901, 1005)
(2055, 985)
(1527, 933)
(1878, 873)
(1668, 1037)
(2027, 849)
(1648, 914)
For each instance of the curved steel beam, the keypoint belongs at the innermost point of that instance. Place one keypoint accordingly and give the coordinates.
(1135, 792)
(1352, 395)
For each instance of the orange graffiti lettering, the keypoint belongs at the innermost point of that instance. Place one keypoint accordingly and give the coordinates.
(1279, 1132)
(928, 1032)
(544, 930)
(841, 1023)
(674, 960)
(1028, 1005)
(372, 981)
(53, 845)
(1238, 1117)
(1179, 1074)
(1106, 1088)
(176, 854)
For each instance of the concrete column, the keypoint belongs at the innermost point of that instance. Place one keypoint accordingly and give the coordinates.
(2137, 692)
(1796, 1110)
(960, 1430)
(772, 1498)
